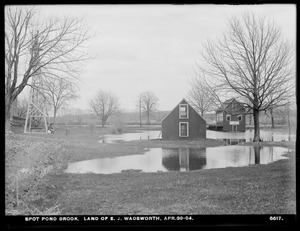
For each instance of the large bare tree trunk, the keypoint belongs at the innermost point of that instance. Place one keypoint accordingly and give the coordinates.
(272, 118)
(256, 126)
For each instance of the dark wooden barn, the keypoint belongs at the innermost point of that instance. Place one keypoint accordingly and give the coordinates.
(230, 117)
(183, 123)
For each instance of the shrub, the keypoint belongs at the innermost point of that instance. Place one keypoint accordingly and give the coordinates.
(118, 127)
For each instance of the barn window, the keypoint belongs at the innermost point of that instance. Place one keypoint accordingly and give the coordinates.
(183, 129)
(239, 117)
(228, 117)
(183, 111)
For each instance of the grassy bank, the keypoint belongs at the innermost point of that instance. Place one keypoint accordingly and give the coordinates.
(27, 161)
(256, 189)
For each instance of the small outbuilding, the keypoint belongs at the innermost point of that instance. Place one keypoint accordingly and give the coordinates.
(231, 117)
(183, 123)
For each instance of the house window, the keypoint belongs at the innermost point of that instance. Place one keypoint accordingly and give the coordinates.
(239, 117)
(183, 111)
(220, 117)
(183, 129)
(228, 117)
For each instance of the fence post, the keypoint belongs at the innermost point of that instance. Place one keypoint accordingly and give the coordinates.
(17, 190)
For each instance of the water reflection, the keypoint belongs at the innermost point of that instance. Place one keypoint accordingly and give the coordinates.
(182, 159)
(234, 141)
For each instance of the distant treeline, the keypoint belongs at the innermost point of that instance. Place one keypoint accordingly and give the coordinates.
(130, 118)
(133, 118)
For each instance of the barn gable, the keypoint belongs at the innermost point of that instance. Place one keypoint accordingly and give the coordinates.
(183, 101)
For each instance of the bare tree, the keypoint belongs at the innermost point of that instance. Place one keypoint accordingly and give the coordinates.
(148, 103)
(78, 116)
(33, 46)
(201, 96)
(104, 104)
(59, 92)
(253, 62)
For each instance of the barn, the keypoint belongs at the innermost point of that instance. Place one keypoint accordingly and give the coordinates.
(183, 123)
(231, 116)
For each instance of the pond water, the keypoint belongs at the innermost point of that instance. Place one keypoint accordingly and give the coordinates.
(121, 138)
(230, 138)
(266, 135)
(181, 159)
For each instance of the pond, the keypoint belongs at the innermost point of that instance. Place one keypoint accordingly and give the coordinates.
(265, 134)
(121, 138)
(230, 138)
(181, 159)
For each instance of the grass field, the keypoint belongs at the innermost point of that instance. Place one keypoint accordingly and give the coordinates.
(257, 189)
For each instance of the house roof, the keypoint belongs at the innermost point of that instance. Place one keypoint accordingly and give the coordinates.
(226, 103)
(183, 101)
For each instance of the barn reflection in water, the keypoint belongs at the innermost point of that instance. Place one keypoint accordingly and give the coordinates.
(183, 159)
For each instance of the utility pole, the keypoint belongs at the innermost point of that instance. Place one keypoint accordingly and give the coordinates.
(140, 108)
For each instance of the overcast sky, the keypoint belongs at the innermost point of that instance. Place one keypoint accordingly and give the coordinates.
(154, 47)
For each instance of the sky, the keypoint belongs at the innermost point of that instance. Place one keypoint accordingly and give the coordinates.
(154, 48)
